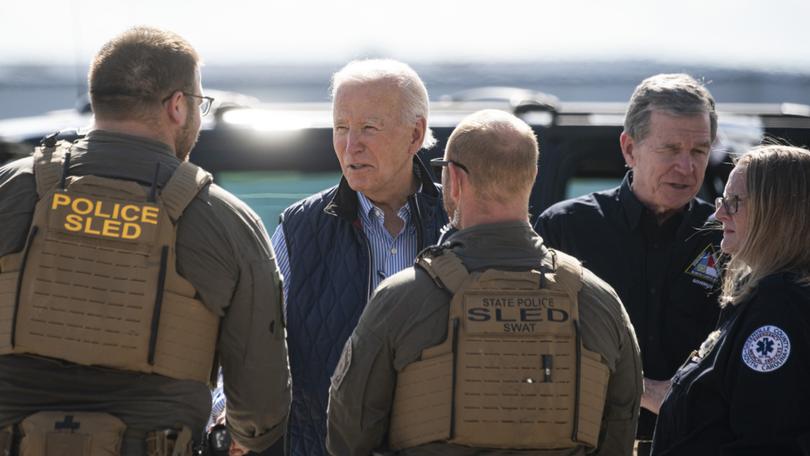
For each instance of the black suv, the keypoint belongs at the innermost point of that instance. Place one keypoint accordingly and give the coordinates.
(271, 155)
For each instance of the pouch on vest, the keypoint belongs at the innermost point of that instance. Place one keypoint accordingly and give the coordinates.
(512, 372)
(97, 283)
(71, 434)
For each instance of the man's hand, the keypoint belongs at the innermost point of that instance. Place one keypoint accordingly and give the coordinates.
(654, 393)
(237, 449)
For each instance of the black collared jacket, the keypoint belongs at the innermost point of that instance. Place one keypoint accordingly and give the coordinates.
(666, 276)
(745, 392)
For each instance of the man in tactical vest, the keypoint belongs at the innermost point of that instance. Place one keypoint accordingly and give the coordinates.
(125, 274)
(492, 341)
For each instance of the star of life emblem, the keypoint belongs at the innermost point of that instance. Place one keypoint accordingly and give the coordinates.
(705, 266)
(766, 349)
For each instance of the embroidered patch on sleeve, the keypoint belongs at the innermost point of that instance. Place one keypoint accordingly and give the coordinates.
(766, 349)
(343, 365)
(704, 266)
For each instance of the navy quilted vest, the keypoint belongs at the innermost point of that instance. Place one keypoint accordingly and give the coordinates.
(329, 269)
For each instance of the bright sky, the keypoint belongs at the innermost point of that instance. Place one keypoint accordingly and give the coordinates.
(763, 34)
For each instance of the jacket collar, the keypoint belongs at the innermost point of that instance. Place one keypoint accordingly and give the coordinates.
(634, 209)
(344, 203)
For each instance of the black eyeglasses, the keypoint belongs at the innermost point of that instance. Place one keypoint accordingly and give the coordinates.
(205, 102)
(439, 163)
(730, 204)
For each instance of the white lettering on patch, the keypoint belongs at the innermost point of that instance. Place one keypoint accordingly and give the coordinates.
(766, 349)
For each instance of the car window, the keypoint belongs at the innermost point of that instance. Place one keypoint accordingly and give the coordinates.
(578, 186)
(270, 192)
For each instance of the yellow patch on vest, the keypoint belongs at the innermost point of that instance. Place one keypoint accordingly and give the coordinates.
(102, 218)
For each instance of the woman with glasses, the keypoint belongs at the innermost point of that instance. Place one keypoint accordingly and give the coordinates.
(747, 389)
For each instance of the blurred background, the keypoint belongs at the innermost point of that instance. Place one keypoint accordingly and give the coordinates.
(752, 51)
(283, 52)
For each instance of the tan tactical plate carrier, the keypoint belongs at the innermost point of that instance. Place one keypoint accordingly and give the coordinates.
(512, 372)
(96, 283)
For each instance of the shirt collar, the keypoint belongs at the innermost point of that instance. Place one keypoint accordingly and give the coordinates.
(369, 212)
(634, 209)
(344, 202)
(514, 244)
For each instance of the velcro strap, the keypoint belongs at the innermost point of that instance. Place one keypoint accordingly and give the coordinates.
(48, 165)
(510, 280)
(188, 179)
(447, 268)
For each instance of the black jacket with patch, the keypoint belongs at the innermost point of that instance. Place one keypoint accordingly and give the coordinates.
(666, 276)
(746, 391)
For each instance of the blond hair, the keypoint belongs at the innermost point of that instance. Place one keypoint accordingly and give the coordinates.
(778, 187)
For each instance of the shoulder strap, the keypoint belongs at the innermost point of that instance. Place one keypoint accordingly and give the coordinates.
(445, 268)
(49, 165)
(568, 271)
(568, 277)
(188, 179)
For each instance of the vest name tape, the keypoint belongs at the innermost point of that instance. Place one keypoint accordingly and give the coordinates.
(518, 312)
(103, 218)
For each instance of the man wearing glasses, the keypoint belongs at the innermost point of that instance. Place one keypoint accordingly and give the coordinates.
(125, 273)
(647, 237)
(336, 246)
(483, 346)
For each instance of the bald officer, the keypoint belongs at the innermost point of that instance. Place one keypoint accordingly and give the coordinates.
(492, 341)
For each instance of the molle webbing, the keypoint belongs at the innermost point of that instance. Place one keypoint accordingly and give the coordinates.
(99, 284)
(512, 372)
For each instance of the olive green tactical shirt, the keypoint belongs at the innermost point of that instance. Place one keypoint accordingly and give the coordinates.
(409, 312)
(224, 251)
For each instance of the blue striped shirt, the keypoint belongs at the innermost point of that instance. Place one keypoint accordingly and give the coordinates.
(389, 254)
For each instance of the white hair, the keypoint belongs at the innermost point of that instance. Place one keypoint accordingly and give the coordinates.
(415, 100)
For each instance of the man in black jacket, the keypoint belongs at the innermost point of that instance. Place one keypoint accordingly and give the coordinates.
(646, 237)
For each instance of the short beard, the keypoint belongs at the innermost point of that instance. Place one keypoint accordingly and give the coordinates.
(455, 220)
(186, 139)
(451, 208)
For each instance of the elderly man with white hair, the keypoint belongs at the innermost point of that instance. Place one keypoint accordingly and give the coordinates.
(336, 246)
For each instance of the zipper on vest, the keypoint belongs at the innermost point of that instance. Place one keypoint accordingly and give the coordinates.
(417, 221)
(370, 268)
(164, 256)
(28, 242)
(358, 230)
